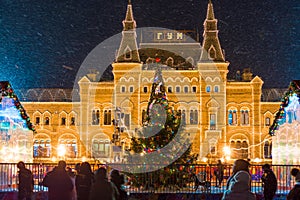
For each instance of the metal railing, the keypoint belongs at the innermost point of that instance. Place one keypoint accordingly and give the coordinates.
(207, 182)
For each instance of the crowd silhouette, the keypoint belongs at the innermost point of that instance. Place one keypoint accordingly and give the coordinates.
(82, 183)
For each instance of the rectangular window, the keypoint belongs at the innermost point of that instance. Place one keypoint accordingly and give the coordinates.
(267, 121)
(123, 89)
(177, 89)
(194, 89)
(186, 89)
(72, 121)
(63, 121)
(170, 89)
(37, 120)
(130, 89)
(107, 117)
(212, 122)
(145, 89)
(207, 88)
(47, 121)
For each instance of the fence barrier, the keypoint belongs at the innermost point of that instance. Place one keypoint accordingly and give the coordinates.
(206, 180)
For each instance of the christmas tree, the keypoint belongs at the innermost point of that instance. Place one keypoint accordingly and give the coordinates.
(162, 143)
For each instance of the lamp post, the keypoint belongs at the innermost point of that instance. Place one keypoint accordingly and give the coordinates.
(118, 125)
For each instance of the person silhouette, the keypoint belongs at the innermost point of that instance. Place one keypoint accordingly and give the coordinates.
(26, 183)
(59, 183)
(102, 188)
(269, 182)
(118, 180)
(294, 193)
(239, 183)
(83, 181)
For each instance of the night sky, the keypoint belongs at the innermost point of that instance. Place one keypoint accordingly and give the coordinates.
(43, 43)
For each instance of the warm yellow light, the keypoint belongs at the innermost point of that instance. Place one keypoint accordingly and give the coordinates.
(53, 159)
(227, 151)
(83, 159)
(204, 159)
(61, 150)
(257, 160)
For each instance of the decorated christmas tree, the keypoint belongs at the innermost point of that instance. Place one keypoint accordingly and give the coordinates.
(162, 143)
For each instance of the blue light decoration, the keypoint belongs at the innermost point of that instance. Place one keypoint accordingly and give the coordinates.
(288, 107)
(12, 113)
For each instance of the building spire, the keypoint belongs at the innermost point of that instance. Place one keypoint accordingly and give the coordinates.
(211, 50)
(128, 50)
(210, 11)
(129, 22)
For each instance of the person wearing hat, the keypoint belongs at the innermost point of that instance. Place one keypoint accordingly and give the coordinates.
(239, 183)
(294, 194)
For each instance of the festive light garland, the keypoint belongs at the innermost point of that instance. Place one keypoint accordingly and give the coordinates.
(7, 91)
(294, 88)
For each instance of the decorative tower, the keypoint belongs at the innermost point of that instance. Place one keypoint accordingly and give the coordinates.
(211, 49)
(213, 70)
(127, 74)
(128, 51)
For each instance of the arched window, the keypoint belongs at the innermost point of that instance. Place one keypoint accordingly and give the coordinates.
(41, 148)
(101, 148)
(47, 121)
(145, 89)
(216, 88)
(127, 53)
(244, 117)
(186, 89)
(232, 120)
(70, 146)
(212, 121)
(183, 117)
(95, 117)
(72, 121)
(208, 88)
(267, 150)
(63, 121)
(267, 121)
(212, 53)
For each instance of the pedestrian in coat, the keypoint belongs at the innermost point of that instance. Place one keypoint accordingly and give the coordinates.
(83, 181)
(102, 188)
(269, 182)
(294, 194)
(118, 180)
(239, 183)
(59, 183)
(220, 173)
(26, 183)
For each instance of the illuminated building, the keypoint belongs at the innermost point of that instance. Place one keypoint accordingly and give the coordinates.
(219, 111)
